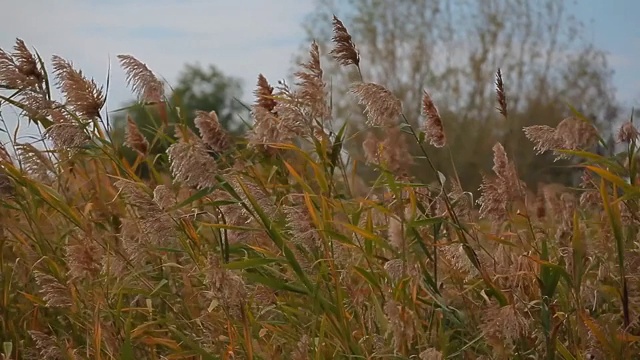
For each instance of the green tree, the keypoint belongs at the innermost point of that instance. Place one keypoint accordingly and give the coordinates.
(208, 89)
(452, 49)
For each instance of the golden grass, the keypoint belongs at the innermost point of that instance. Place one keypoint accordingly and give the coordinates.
(267, 249)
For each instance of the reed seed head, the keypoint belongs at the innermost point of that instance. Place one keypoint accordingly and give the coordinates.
(381, 106)
(572, 133)
(83, 95)
(134, 138)
(311, 94)
(54, 293)
(264, 94)
(501, 95)
(433, 128)
(627, 133)
(191, 165)
(143, 82)
(344, 51)
(20, 70)
(211, 132)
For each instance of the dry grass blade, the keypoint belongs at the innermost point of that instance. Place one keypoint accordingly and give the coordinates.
(4, 155)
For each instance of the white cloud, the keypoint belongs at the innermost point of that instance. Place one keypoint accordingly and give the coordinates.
(243, 38)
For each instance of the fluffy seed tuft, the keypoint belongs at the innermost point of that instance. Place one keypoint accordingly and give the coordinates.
(55, 294)
(20, 70)
(143, 82)
(627, 133)
(311, 94)
(83, 95)
(211, 132)
(264, 94)
(191, 164)
(433, 128)
(381, 106)
(344, 52)
(571, 133)
(134, 138)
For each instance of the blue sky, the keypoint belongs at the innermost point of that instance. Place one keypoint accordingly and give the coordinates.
(614, 27)
(243, 37)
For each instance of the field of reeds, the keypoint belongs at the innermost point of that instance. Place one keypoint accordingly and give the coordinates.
(270, 247)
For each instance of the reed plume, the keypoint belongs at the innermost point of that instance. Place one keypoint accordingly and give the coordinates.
(211, 132)
(401, 321)
(311, 94)
(4, 155)
(84, 259)
(54, 293)
(499, 191)
(627, 133)
(66, 134)
(164, 197)
(227, 287)
(381, 106)
(20, 70)
(301, 352)
(47, 346)
(191, 165)
(371, 148)
(302, 230)
(83, 95)
(134, 138)
(150, 222)
(501, 95)
(270, 128)
(143, 82)
(264, 94)
(433, 128)
(36, 163)
(394, 151)
(344, 51)
(505, 324)
(572, 133)
(430, 354)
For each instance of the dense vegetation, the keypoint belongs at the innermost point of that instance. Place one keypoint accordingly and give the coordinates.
(272, 247)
